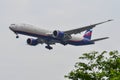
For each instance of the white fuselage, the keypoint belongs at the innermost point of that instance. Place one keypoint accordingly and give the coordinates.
(30, 29)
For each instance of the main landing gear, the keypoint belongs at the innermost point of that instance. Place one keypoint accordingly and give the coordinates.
(48, 47)
(17, 35)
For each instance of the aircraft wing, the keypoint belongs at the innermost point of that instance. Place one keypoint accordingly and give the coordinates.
(79, 30)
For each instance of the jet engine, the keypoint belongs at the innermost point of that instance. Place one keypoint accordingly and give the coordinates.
(58, 34)
(32, 42)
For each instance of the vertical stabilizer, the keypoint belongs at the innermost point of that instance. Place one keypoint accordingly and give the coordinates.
(88, 34)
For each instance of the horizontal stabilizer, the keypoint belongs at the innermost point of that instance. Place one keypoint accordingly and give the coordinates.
(99, 39)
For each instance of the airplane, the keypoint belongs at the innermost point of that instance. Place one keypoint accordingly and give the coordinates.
(56, 36)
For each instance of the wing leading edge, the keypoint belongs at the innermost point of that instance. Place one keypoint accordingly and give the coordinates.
(79, 30)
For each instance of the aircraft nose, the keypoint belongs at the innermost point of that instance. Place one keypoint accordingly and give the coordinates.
(11, 27)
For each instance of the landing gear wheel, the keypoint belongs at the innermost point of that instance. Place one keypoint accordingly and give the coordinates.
(17, 36)
(48, 47)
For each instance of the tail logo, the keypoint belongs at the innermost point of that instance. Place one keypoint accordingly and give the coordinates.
(88, 34)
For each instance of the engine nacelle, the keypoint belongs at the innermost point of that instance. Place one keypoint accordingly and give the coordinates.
(58, 34)
(32, 42)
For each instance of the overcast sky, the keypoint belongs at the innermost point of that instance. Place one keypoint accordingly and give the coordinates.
(18, 61)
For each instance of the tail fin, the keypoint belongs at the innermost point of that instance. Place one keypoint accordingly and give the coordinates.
(88, 34)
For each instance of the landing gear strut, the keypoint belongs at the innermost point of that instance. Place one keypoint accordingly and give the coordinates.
(17, 35)
(48, 47)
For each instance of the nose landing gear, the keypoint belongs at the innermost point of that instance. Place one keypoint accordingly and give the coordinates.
(17, 36)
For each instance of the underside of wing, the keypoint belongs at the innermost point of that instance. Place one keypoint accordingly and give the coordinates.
(79, 30)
